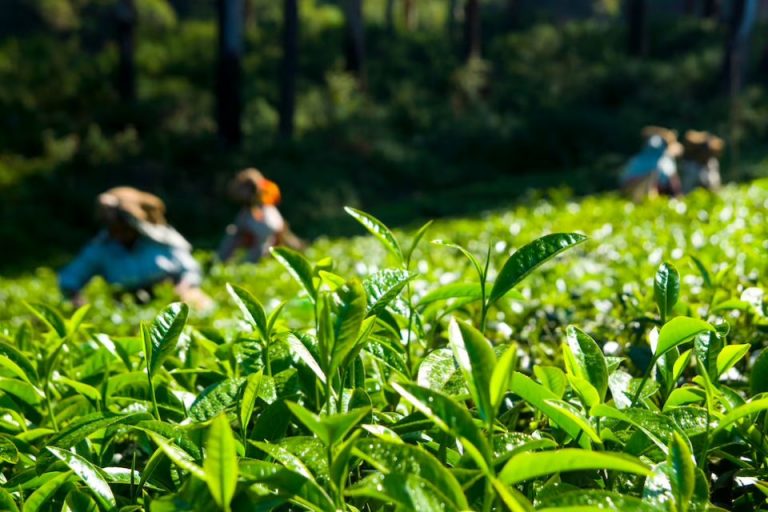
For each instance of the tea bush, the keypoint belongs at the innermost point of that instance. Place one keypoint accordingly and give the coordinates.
(564, 354)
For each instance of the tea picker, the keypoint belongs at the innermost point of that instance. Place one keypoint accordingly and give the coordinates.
(259, 224)
(135, 251)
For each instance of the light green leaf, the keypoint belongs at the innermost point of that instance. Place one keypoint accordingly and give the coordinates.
(329, 429)
(49, 317)
(89, 474)
(452, 291)
(216, 398)
(377, 229)
(7, 502)
(502, 376)
(729, 356)
(383, 288)
(397, 457)
(220, 464)
(37, 501)
(528, 258)
(349, 319)
(178, 456)
(666, 289)
(740, 412)
(528, 465)
(683, 471)
(22, 390)
(677, 331)
(448, 416)
(477, 361)
(552, 378)
(248, 402)
(544, 400)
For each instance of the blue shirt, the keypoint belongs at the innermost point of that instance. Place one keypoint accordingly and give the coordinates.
(146, 263)
(653, 159)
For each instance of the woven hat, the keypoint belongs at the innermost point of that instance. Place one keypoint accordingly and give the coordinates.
(700, 146)
(674, 148)
(249, 187)
(141, 210)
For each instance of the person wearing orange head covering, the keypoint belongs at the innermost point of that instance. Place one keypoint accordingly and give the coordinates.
(259, 224)
(136, 250)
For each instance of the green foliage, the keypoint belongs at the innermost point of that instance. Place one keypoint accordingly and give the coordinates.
(351, 378)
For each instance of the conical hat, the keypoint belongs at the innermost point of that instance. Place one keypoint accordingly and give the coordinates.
(249, 187)
(674, 148)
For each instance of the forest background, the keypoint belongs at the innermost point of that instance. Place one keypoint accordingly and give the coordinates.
(410, 109)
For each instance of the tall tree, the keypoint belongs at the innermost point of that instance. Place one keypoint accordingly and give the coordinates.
(229, 73)
(125, 14)
(637, 42)
(741, 22)
(472, 29)
(410, 13)
(389, 16)
(711, 9)
(289, 67)
(354, 40)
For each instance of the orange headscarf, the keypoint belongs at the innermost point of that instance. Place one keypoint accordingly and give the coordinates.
(250, 187)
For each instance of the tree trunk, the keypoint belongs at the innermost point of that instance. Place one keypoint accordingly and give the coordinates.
(636, 18)
(229, 73)
(410, 13)
(289, 67)
(472, 27)
(355, 39)
(711, 9)
(742, 20)
(126, 38)
(389, 16)
(453, 16)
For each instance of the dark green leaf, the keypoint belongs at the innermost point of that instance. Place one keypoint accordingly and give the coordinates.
(530, 257)
(477, 361)
(164, 334)
(298, 266)
(89, 474)
(251, 309)
(377, 229)
(585, 359)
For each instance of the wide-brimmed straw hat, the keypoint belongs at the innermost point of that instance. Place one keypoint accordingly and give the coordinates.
(700, 146)
(674, 148)
(141, 210)
(249, 187)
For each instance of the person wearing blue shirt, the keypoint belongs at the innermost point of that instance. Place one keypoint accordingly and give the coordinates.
(653, 170)
(136, 250)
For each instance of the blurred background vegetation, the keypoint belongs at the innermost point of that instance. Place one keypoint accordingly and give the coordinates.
(409, 109)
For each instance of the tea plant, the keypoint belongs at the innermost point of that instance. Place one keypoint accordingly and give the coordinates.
(587, 368)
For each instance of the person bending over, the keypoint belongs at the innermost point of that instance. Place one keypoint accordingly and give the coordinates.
(653, 170)
(259, 224)
(135, 250)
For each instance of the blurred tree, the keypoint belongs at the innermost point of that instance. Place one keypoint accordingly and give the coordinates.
(689, 6)
(354, 40)
(410, 13)
(472, 29)
(125, 14)
(740, 24)
(389, 15)
(637, 12)
(229, 73)
(711, 9)
(289, 67)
